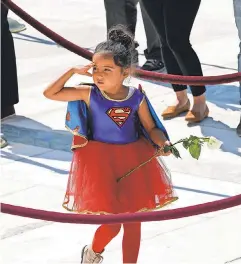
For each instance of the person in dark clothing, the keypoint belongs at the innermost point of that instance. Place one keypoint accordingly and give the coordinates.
(237, 16)
(154, 61)
(125, 12)
(9, 81)
(173, 20)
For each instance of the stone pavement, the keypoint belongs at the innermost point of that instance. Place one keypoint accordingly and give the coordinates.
(35, 165)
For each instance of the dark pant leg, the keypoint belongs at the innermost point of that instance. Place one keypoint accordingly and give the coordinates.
(237, 16)
(9, 82)
(131, 14)
(153, 50)
(179, 18)
(155, 10)
(121, 12)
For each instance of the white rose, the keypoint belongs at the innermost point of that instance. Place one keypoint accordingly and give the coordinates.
(214, 143)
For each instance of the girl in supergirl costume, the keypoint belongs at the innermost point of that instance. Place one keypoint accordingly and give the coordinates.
(117, 139)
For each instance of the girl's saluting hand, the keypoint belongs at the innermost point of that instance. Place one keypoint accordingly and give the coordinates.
(59, 92)
(83, 70)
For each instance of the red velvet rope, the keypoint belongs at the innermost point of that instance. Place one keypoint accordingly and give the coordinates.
(175, 79)
(123, 218)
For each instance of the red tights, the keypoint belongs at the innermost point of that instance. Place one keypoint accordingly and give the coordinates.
(130, 243)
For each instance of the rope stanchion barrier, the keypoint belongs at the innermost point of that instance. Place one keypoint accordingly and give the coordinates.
(168, 78)
(122, 218)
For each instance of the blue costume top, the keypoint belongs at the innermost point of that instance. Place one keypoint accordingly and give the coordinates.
(107, 120)
(115, 121)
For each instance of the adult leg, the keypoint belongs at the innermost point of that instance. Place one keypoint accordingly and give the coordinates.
(131, 18)
(131, 14)
(153, 52)
(9, 82)
(237, 15)
(131, 242)
(156, 11)
(121, 12)
(178, 37)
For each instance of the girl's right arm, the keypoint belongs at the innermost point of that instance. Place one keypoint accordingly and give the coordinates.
(56, 91)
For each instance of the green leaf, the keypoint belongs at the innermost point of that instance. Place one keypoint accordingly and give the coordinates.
(185, 144)
(167, 148)
(196, 141)
(195, 150)
(175, 152)
(192, 138)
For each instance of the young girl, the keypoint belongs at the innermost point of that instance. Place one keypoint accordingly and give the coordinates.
(117, 137)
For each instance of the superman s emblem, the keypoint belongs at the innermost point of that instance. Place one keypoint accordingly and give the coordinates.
(119, 114)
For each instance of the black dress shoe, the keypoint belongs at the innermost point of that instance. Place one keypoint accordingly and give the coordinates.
(153, 65)
(239, 129)
(7, 111)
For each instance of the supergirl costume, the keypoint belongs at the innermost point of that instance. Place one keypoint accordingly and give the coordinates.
(114, 167)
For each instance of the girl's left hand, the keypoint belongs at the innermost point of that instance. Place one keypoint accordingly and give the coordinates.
(161, 150)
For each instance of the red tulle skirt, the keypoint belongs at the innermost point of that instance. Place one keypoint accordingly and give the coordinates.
(93, 187)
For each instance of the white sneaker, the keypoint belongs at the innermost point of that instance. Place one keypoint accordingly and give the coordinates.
(89, 256)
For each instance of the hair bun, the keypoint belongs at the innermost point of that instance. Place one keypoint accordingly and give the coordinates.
(122, 35)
